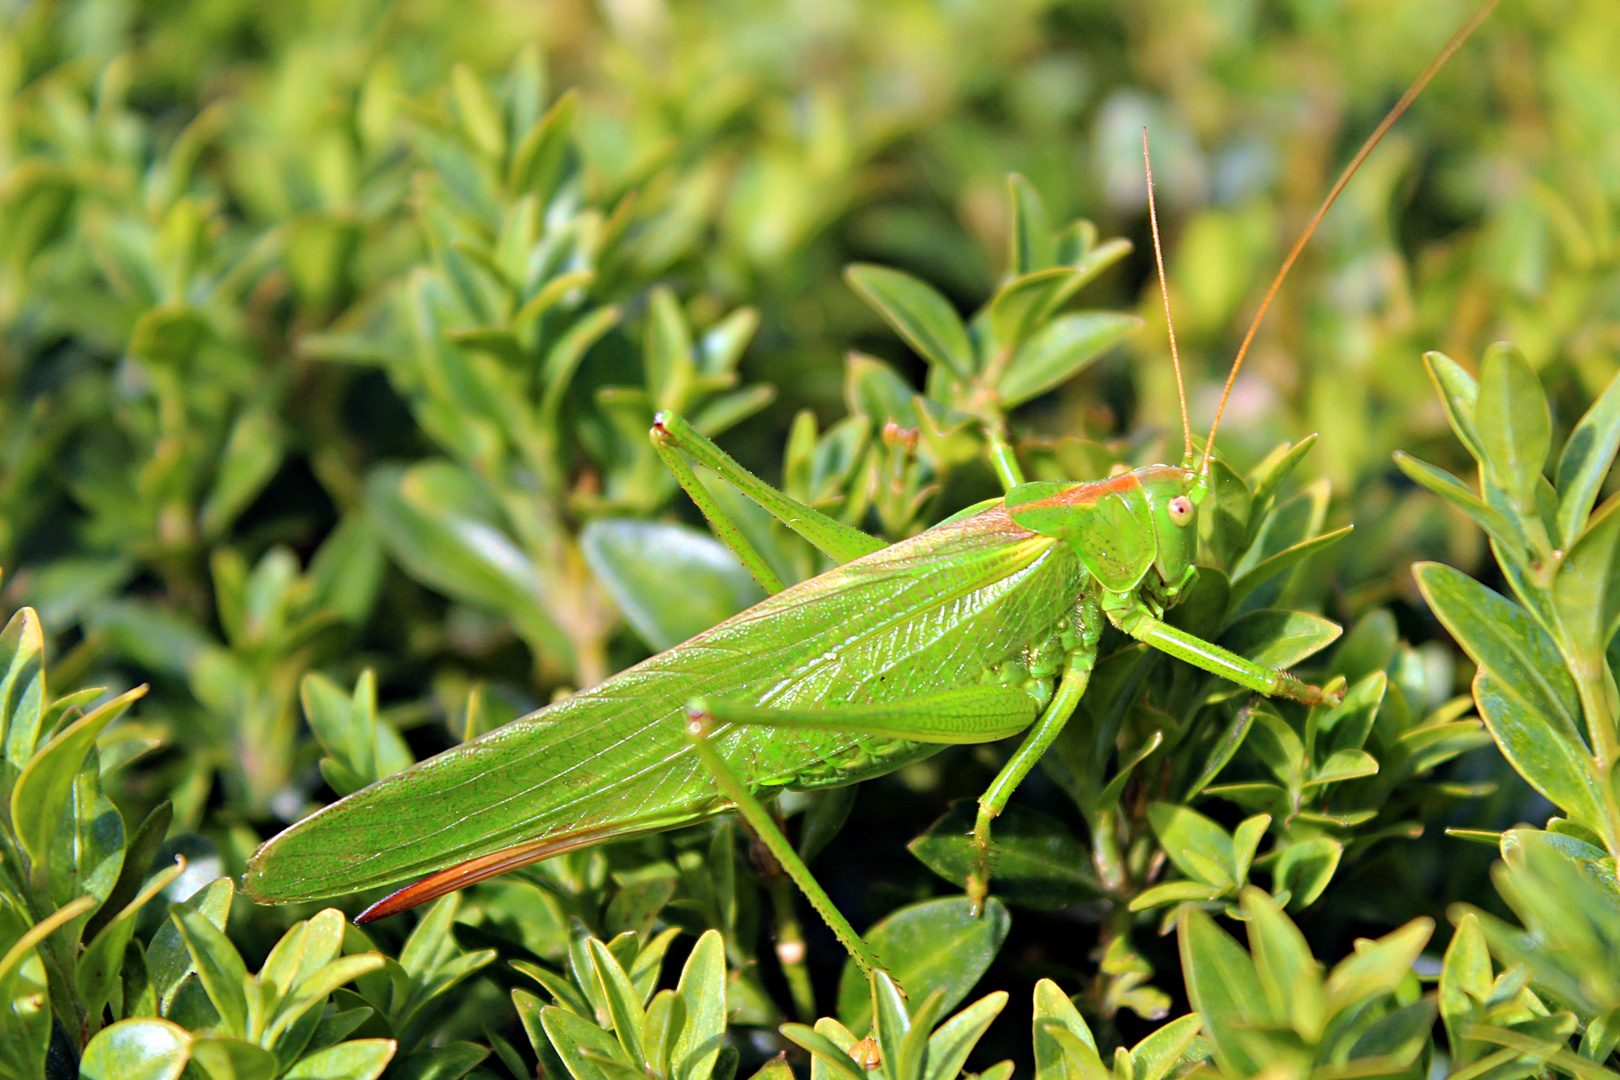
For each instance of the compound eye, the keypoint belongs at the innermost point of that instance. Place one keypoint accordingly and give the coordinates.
(1181, 510)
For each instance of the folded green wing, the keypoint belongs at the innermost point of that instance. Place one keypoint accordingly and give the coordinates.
(927, 613)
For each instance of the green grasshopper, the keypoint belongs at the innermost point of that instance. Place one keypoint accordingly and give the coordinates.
(983, 626)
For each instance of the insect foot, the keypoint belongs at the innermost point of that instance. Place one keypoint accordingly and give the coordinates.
(699, 720)
(1291, 688)
(978, 883)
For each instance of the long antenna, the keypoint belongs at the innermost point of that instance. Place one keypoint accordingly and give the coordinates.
(1164, 291)
(1344, 178)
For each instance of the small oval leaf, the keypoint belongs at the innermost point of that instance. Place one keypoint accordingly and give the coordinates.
(935, 945)
(144, 1049)
(670, 581)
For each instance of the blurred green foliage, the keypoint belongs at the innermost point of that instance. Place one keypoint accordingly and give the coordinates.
(330, 335)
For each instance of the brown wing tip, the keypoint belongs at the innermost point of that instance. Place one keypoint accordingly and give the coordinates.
(459, 877)
(479, 869)
(404, 899)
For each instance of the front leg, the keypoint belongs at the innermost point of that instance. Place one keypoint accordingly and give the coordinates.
(1131, 615)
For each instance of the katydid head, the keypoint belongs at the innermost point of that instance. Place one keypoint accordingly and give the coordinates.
(1173, 497)
(1123, 528)
(1146, 520)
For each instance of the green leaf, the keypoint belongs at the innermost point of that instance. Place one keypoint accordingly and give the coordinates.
(1378, 967)
(702, 990)
(1197, 846)
(1499, 635)
(144, 1049)
(1156, 1055)
(1524, 692)
(670, 366)
(1515, 428)
(1289, 974)
(1586, 590)
(579, 1043)
(1347, 725)
(218, 966)
(22, 690)
(1465, 982)
(1079, 1057)
(1369, 647)
(1343, 765)
(1551, 764)
(1274, 638)
(1224, 988)
(88, 849)
(43, 789)
(1245, 842)
(167, 957)
(663, 1024)
(670, 581)
(827, 1053)
(722, 345)
(1039, 863)
(892, 1024)
(776, 1068)
(1268, 477)
(1060, 350)
(312, 989)
(1277, 745)
(1497, 525)
(624, 1004)
(935, 945)
(1588, 453)
(476, 110)
(1304, 869)
(140, 850)
(1031, 246)
(25, 1024)
(1219, 755)
(1054, 1011)
(1089, 261)
(634, 909)
(359, 1059)
(562, 989)
(918, 313)
(1459, 394)
(251, 457)
(537, 161)
(431, 519)
(952, 1042)
(233, 1059)
(1109, 797)
(1174, 892)
(345, 725)
(1017, 307)
(99, 964)
(449, 1062)
(1285, 559)
(1564, 892)
(1228, 515)
(338, 1025)
(168, 335)
(1396, 1038)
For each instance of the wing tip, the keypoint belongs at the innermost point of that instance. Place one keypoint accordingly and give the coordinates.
(482, 868)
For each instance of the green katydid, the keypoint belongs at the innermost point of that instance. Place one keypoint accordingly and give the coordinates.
(979, 628)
